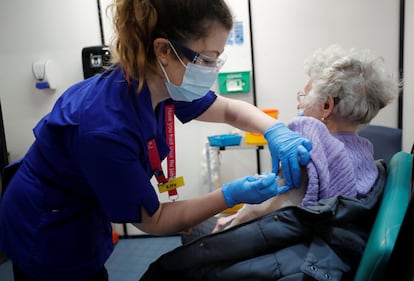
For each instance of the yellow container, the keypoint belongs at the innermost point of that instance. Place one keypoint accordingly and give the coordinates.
(256, 138)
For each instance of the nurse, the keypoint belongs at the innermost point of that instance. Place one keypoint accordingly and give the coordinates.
(95, 153)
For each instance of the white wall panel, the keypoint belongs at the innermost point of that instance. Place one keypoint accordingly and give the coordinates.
(408, 106)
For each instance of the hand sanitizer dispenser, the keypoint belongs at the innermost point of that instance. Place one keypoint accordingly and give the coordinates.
(42, 72)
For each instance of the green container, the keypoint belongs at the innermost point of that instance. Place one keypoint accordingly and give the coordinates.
(234, 82)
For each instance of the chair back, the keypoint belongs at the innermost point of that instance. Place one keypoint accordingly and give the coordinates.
(386, 140)
(392, 210)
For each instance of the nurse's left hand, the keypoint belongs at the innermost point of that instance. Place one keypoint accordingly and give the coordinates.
(290, 148)
(252, 189)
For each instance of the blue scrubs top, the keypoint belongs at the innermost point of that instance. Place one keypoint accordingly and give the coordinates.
(87, 167)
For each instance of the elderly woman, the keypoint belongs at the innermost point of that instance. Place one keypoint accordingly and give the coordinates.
(345, 89)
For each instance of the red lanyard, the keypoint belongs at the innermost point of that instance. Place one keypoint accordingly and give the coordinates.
(154, 156)
(171, 161)
(170, 134)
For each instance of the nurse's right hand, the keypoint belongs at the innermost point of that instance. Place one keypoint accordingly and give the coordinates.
(252, 189)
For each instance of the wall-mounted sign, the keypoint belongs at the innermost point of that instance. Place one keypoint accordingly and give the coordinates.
(234, 82)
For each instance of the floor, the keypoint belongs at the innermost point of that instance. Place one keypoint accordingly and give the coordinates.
(129, 260)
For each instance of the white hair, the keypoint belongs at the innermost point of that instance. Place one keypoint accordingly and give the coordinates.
(357, 78)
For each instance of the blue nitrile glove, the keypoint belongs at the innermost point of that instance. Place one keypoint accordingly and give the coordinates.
(251, 189)
(290, 149)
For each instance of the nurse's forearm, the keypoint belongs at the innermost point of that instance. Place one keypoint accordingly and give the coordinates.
(247, 117)
(239, 114)
(178, 216)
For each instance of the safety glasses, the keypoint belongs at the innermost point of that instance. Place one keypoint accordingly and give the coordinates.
(198, 58)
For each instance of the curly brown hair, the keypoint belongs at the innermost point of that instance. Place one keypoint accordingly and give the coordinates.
(138, 22)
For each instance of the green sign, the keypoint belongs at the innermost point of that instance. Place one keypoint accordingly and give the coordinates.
(234, 82)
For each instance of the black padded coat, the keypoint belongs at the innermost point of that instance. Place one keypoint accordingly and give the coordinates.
(324, 242)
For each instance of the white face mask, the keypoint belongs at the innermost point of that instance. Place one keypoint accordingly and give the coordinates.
(301, 112)
(197, 81)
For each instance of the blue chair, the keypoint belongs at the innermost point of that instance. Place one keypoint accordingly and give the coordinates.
(386, 140)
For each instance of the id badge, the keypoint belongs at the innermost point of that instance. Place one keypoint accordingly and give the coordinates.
(171, 184)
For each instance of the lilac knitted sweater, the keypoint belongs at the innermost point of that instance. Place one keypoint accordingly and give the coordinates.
(341, 164)
(361, 152)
